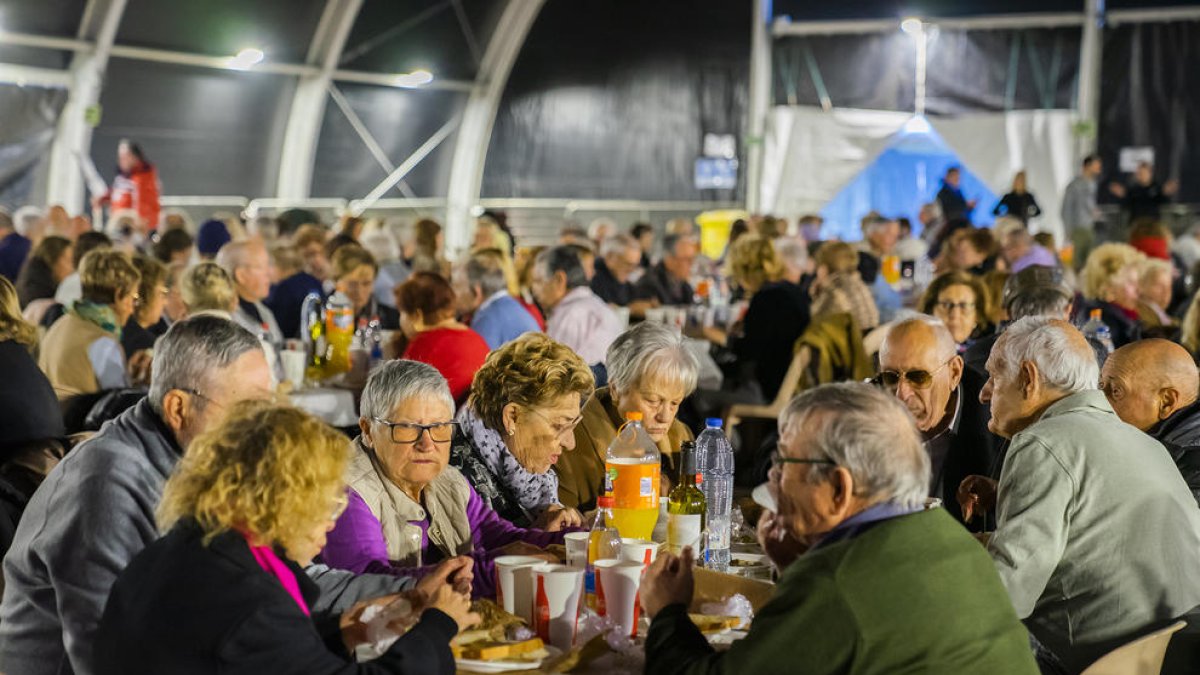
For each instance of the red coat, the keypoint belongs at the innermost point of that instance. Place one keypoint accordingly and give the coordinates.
(456, 353)
(137, 191)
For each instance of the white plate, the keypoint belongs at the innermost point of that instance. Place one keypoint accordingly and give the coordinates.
(476, 666)
(762, 497)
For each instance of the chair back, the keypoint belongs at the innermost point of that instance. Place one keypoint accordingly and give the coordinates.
(792, 383)
(1143, 656)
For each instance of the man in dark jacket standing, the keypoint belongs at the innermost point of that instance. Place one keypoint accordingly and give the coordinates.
(919, 365)
(1152, 385)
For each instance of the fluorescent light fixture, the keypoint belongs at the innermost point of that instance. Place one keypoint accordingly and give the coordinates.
(246, 59)
(912, 25)
(417, 78)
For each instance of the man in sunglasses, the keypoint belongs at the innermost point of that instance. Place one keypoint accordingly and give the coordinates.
(919, 364)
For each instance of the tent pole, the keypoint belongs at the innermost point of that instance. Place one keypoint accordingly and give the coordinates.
(760, 101)
(1091, 53)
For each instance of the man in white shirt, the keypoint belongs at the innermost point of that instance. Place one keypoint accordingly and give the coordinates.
(578, 317)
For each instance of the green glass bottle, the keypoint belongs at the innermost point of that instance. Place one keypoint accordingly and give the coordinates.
(686, 507)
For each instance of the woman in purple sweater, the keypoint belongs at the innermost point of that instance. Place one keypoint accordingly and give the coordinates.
(407, 508)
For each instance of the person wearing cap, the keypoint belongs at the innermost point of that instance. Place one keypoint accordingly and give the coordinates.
(1036, 290)
(919, 365)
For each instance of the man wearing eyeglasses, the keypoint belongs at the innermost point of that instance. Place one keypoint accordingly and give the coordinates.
(919, 364)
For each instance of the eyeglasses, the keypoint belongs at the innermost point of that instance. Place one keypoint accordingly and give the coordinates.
(778, 460)
(559, 429)
(948, 307)
(919, 379)
(407, 433)
(203, 397)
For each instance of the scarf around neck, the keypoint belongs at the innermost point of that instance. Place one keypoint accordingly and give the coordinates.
(100, 314)
(535, 492)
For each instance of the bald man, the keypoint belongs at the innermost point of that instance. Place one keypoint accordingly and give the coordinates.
(919, 364)
(1153, 385)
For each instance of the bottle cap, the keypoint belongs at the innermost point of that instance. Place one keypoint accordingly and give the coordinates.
(605, 502)
(699, 479)
(713, 422)
(633, 416)
(1095, 314)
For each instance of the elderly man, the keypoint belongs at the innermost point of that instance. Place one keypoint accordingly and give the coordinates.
(620, 257)
(95, 510)
(667, 282)
(884, 586)
(1020, 251)
(1097, 537)
(482, 290)
(1080, 215)
(919, 365)
(578, 318)
(880, 235)
(249, 265)
(1034, 291)
(1152, 384)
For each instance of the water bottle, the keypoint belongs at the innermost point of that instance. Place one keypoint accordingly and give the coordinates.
(1096, 331)
(714, 458)
(375, 340)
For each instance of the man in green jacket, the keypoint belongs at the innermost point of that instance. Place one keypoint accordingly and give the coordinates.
(885, 586)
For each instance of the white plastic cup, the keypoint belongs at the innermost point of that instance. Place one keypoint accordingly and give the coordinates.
(294, 361)
(622, 316)
(557, 596)
(514, 584)
(639, 551)
(656, 315)
(577, 548)
(617, 584)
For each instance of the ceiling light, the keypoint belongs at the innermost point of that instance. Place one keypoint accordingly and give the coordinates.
(911, 25)
(246, 59)
(417, 78)
(917, 125)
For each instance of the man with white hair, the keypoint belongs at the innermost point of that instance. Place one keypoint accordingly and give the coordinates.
(249, 265)
(668, 282)
(482, 291)
(884, 585)
(1097, 537)
(578, 318)
(620, 257)
(919, 364)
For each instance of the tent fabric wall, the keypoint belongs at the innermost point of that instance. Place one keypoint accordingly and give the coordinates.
(837, 145)
(30, 115)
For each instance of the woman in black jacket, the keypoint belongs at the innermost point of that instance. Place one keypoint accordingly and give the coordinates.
(51, 261)
(1019, 202)
(224, 590)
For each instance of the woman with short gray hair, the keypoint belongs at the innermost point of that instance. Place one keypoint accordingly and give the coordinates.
(650, 371)
(407, 507)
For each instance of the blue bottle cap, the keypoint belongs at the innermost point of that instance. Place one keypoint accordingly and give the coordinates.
(713, 422)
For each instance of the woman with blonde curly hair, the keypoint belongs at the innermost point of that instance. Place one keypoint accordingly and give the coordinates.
(224, 589)
(753, 262)
(525, 403)
(1110, 283)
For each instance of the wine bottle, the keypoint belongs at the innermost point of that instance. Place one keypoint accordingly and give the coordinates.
(686, 507)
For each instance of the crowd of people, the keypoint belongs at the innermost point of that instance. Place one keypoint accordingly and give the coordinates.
(164, 509)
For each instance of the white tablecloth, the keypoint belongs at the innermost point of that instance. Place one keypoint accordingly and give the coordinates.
(334, 406)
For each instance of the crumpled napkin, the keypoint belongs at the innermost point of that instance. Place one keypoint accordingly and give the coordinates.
(735, 605)
(382, 622)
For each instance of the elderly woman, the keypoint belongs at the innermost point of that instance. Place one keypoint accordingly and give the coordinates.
(81, 353)
(50, 262)
(649, 371)
(207, 288)
(146, 324)
(354, 272)
(1110, 283)
(838, 287)
(431, 333)
(525, 404)
(752, 263)
(247, 508)
(407, 507)
(961, 301)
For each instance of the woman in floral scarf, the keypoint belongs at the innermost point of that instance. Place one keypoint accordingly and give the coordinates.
(81, 353)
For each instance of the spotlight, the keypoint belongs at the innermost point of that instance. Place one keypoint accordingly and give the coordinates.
(246, 59)
(911, 25)
(417, 78)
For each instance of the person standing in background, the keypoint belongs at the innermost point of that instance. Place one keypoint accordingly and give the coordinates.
(1144, 197)
(136, 186)
(1080, 216)
(950, 197)
(1019, 202)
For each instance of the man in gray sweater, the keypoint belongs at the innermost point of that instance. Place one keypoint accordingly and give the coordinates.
(1081, 219)
(95, 510)
(1098, 536)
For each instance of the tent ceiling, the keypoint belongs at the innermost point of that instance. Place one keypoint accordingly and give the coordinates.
(404, 35)
(806, 10)
(59, 18)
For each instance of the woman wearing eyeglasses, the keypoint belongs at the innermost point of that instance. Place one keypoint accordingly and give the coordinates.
(525, 403)
(961, 301)
(354, 274)
(407, 507)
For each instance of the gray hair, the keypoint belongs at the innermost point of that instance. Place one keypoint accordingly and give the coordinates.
(1039, 302)
(1063, 359)
(651, 349)
(235, 254)
(398, 380)
(792, 251)
(671, 241)
(486, 271)
(563, 259)
(599, 224)
(870, 434)
(192, 352)
(617, 244)
(27, 219)
(946, 345)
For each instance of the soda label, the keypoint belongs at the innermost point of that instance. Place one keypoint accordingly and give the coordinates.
(634, 486)
(647, 487)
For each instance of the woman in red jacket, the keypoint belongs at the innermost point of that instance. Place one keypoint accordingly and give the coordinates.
(135, 187)
(432, 334)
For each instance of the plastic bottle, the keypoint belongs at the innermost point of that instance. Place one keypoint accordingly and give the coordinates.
(604, 542)
(1096, 331)
(632, 468)
(339, 333)
(375, 340)
(312, 329)
(717, 485)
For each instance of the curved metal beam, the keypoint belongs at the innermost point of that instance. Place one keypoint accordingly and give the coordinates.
(760, 100)
(308, 104)
(475, 132)
(100, 21)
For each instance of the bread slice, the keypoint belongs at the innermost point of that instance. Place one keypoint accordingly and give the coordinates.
(491, 650)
